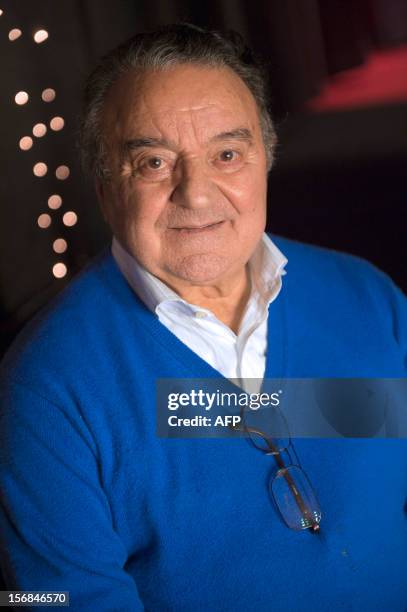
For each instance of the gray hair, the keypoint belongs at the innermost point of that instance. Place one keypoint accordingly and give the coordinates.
(168, 46)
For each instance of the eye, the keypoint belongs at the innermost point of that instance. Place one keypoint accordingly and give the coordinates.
(228, 155)
(229, 160)
(155, 163)
(153, 167)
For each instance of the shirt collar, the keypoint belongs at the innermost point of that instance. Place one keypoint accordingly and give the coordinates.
(266, 265)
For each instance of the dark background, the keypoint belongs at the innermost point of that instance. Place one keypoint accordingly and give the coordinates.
(340, 177)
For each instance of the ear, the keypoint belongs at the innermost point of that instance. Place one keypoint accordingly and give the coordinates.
(99, 189)
(101, 196)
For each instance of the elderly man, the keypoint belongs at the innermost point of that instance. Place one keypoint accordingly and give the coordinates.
(177, 135)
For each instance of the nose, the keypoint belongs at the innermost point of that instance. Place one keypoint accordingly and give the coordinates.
(194, 188)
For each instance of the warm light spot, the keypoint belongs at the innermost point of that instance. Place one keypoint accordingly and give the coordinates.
(44, 221)
(69, 218)
(39, 130)
(14, 34)
(21, 97)
(56, 124)
(62, 172)
(1, 12)
(59, 270)
(40, 36)
(59, 245)
(26, 142)
(40, 169)
(48, 95)
(54, 201)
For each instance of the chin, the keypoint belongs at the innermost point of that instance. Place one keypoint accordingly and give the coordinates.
(200, 269)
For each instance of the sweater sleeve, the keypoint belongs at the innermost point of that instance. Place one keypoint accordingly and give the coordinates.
(56, 528)
(400, 319)
(380, 293)
(397, 301)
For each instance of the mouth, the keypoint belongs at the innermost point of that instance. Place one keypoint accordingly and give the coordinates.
(197, 229)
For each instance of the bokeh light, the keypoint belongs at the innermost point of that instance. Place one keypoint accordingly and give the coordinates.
(54, 201)
(39, 130)
(56, 124)
(14, 34)
(40, 169)
(62, 172)
(70, 218)
(40, 36)
(44, 220)
(26, 142)
(48, 95)
(59, 270)
(21, 98)
(59, 245)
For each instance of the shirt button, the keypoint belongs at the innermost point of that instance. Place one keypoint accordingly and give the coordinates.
(200, 314)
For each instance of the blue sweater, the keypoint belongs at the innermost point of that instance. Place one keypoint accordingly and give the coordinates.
(94, 503)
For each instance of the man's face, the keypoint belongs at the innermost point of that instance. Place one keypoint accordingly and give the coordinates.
(187, 193)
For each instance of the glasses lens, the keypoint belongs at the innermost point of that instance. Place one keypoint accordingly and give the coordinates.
(295, 498)
(267, 429)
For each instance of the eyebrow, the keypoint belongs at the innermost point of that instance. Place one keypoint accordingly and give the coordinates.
(237, 134)
(138, 143)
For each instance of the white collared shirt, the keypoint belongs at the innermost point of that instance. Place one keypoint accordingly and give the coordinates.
(241, 356)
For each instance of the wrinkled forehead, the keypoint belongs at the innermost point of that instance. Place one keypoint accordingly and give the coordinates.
(179, 100)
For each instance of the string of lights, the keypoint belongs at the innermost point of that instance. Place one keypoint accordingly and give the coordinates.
(41, 169)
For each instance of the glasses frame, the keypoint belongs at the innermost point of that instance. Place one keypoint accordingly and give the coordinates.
(314, 526)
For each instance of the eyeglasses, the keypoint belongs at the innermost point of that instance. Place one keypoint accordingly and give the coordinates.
(289, 486)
